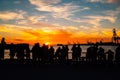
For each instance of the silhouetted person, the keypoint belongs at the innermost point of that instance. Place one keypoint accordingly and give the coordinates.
(1, 52)
(51, 54)
(110, 56)
(63, 54)
(3, 41)
(101, 54)
(57, 53)
(91, 55)
(12, 51)
(20, 52)
(27, 52)
(94, 50)
(44, 49)
(117, 54)
(66, 51)
(2, 47)
(88, 54)
(35, 51)
(79, 50)
(74, 53)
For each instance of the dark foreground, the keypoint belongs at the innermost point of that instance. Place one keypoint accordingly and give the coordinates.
(54, 71)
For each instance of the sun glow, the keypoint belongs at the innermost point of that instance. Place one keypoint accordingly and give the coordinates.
(47, 43)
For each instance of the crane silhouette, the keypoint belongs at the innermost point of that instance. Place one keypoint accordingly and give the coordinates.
(115, 37)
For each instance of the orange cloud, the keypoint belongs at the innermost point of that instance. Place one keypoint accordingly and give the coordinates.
(53, 35)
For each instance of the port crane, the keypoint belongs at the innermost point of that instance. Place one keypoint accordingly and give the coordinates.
(115, 37)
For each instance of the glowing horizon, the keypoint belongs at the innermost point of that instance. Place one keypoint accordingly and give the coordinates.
(58, 21)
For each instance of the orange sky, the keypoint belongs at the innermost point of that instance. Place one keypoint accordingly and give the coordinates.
(50, 35)
(58, 21)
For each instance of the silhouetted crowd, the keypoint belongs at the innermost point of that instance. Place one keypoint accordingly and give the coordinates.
(46, 54)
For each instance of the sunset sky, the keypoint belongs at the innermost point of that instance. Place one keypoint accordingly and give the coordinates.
(58, 21)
